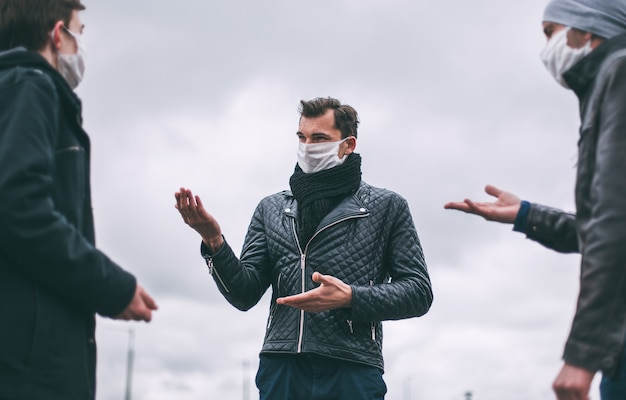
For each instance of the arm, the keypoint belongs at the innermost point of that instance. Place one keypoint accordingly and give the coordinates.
(409, 293)
(550, 227)
(597, 333)
(36, 239)
(244, 282)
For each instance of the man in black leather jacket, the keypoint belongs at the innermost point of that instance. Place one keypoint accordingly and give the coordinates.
(586, 52)
(53, 280)
(340, 255)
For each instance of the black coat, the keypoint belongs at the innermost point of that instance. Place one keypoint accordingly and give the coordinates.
(52, 278)
(598, 228)
(368, 241)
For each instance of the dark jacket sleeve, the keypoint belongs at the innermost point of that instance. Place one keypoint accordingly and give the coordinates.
(243, 282)
(552, 228)
(597, 333)
(408, 292)
(35, 238)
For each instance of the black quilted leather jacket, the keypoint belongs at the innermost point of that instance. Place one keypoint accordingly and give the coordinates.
(368, 241)
(598, 229)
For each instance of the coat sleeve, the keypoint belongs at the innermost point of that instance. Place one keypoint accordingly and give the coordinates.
(243, 282)
(599, 325)
(408, 292)
(552, 228)
(35, 239)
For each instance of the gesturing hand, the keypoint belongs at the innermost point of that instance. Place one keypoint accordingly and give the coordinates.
(573, 383)
(504, 209)
(331, 294)
(140, 307)
(191, 209)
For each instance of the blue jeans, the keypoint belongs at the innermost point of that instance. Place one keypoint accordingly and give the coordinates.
(313, 377)
(614, 388)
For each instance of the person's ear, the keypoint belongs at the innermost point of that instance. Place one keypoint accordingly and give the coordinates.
(56, 35)
(350, 144)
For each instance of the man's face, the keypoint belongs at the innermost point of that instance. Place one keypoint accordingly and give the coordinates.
(323, 130)
(575, 38)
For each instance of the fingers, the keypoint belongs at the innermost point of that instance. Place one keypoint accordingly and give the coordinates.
(473, 207)
(148, 300)
(566, 394)
(140, 307)
(572, 383)
(317, 277)
(324, 279)
(143, 314)
(456, 205)
(184, 198)
(187, 204)
(493, 191)
(293, 300)
(467, 206)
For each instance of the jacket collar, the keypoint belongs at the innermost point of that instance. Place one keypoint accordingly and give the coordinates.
(20, 57)
(582, 75)
(349, 207)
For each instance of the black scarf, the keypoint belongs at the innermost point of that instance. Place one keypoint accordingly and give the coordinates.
(318, 193)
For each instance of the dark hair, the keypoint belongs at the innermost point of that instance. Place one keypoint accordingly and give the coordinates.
(346, 117)
(28, 23)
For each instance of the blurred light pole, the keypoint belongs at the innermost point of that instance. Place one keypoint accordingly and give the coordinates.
(129, 364)
(246, 381)
(407, 388)
(468, 395)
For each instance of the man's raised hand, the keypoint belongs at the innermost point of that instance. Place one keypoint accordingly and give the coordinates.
(194, 214)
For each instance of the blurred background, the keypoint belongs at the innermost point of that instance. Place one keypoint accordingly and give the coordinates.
(451, 95)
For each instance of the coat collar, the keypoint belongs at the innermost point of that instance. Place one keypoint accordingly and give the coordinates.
(349, 207)
(20, 57)
(583, 74)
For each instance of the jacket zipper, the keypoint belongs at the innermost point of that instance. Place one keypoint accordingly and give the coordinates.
(303, 267)
(213, 271)
(302, 270)
(373, 322)
(71, 148)
(274, 306)
(269, 321)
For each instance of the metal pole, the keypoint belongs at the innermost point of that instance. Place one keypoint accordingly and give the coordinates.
(468, 395)
(407, 388)
(246, 381)
(129, 364)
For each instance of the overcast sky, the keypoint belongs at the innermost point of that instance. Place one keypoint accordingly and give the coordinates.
(451, 95)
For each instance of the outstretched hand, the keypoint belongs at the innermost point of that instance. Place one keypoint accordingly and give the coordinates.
(140, 307)
(194, 214)
(504, 209)
(331, 294)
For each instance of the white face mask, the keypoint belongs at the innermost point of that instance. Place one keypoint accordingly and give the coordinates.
(317, 157)
(558, 57)
(72, 66)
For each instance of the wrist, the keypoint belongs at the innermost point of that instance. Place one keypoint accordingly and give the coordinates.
(214, 243)
(348, 297)
(521, 218)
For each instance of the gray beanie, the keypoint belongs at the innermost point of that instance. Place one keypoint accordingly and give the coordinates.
(605, 18)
